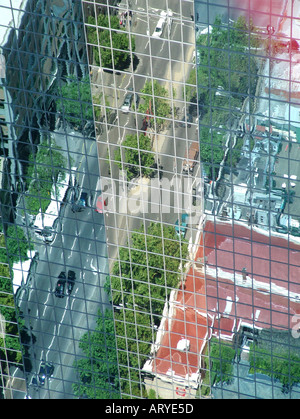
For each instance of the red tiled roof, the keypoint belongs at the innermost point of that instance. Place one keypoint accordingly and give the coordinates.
(218, 304)
(251, 306)
(194, 293)
(186, 324)
(225, 327)
(266, 258)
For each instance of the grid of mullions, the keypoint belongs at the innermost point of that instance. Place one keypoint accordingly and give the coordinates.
(263, 359)
(56, 148)
(159, 71)
(9, 333)
(234, 99)
(166, 63)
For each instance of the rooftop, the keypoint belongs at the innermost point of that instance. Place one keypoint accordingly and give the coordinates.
(268, 259)
(181, 346)
(264, 295)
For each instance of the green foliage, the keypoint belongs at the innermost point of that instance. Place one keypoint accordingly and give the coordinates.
(137, 156)
(191, 91)
(116, 39)
(5, 282)
(3, 255)
(152, 394)
(43, 170)
(221, 359)
(134, 336)
(234, 154)
(211, 149)
(75, 101)
(16, 248)
(98, 372)
(98, 100)
(12, 250)
(149, 270)
(7, 306)
(10, 348)
(283, 366)
(133, 330)
(225, 64)
(161, 107)
(142, 280)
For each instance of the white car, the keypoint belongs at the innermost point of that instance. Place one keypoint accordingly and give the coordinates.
(127, 101)
(164, 17)
(129, 98)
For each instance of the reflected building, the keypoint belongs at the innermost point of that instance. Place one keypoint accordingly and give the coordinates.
(146, 116)
(250, 235)
(237, 298)
(53, 250)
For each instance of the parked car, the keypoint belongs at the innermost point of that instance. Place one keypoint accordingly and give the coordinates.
(129, 98)
(34, 382)
(60, 285)
(74, 198)
(46, 371)
(70, 281)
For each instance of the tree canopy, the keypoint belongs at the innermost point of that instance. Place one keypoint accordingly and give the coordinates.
(148, 270)
(98, 370)
(160, 107)
(16, 247)
(138, 158)
(141, 281)
(221, 357)
(75, 101)
(13, 249)
(225, 65)
(116, 39)
(276, 358)
(42, 171)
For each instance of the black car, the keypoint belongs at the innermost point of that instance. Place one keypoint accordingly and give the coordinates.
(46, 371)
(60, 285)
(70, 281)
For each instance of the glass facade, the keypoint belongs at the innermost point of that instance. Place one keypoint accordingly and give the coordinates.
(149, 240)
(53, 242)
(142, 61)
(249, 133)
